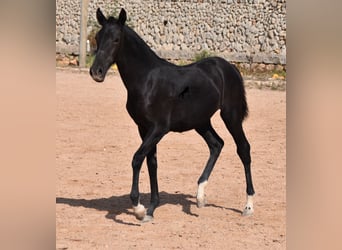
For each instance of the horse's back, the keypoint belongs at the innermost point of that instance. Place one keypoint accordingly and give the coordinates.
(179, 82)
(186, 97)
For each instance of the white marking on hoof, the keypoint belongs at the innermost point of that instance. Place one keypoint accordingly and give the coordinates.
(147, 218)
(249, 206)
(139, 211)
(201, 200)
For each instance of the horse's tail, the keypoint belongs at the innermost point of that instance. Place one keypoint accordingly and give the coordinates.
(242, 93)
(234, 94)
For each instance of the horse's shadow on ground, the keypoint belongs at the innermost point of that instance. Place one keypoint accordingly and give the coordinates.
(116, 205)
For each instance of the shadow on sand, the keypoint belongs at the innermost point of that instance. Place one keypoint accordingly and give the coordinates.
(116, 205)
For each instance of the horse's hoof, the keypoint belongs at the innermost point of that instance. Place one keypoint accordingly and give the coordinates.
(248, 211)
(201, 203)
(147, 218)
(139, 211)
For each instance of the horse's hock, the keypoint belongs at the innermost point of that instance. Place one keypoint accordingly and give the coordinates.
(241, 31)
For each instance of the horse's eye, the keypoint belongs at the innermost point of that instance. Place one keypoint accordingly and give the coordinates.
(116, 40)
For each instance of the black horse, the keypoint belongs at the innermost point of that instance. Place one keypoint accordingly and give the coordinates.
(163, 97)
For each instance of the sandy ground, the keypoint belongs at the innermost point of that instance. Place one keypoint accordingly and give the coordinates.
(95, 142)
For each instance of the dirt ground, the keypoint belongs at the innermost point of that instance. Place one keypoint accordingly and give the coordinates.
(95, 142)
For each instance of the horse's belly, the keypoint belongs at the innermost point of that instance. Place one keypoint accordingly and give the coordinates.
(190, 115)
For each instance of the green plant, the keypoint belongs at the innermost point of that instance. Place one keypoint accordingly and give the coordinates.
(281, 73)
(182, 62)
(89, 60)
(201, 55)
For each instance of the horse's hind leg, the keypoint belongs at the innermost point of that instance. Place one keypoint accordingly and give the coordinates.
(234, 125)
(215, 144)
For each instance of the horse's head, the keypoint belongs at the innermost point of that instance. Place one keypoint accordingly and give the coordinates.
(108, 40)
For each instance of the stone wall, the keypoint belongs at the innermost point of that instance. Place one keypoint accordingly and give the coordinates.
(245, 31)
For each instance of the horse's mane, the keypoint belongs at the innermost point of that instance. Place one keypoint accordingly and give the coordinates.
(130, 33)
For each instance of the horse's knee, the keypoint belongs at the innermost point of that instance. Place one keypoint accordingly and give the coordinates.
(137, 161)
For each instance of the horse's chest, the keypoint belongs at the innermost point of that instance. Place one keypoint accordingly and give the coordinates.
(137, 108)
(134, 108)
(148, 109)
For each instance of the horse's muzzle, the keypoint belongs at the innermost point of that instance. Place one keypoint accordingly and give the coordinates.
(97, 74)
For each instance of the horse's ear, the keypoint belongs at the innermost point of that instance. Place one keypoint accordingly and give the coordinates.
(122, 17)
(100, 17)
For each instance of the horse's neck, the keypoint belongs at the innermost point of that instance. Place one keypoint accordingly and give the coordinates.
(135, 60)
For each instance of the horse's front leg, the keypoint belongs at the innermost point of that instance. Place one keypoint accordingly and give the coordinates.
(152, 170)
(138, 209)
(147, 148)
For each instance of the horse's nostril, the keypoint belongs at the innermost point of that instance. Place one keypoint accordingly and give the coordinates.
(99, 71)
